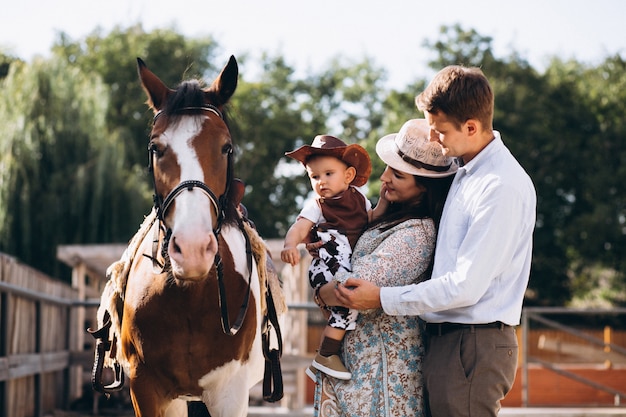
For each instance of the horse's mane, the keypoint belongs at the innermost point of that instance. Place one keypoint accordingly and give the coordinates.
(190, 94)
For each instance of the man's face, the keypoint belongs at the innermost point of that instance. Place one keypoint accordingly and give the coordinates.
(453, 142)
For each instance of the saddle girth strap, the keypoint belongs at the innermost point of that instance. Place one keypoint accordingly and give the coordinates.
(273, 376)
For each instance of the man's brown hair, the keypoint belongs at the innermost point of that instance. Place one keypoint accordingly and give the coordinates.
(461, 93)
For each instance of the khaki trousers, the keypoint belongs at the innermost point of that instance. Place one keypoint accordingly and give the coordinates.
(469, 370)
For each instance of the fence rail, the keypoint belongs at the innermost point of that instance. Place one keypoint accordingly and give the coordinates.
(537, 314)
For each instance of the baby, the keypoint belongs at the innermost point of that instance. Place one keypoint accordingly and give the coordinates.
(337, 216)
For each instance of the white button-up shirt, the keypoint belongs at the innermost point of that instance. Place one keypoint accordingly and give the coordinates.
(483, 254)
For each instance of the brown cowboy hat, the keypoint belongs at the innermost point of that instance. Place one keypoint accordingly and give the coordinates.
(354, 155)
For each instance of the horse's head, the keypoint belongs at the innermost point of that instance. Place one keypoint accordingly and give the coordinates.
(191, 158)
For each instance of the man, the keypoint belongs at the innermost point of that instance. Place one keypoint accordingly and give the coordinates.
(482, 258)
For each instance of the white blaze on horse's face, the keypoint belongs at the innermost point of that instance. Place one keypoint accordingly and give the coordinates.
(193, 245)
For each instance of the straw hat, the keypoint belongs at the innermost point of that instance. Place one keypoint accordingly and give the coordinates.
(411, 151)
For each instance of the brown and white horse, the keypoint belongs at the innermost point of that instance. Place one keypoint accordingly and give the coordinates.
(189, 270)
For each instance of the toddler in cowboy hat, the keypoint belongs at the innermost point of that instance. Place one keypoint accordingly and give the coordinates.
(337, 216)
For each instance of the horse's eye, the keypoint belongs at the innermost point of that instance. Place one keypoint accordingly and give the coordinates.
(227, 149)
(155, 149)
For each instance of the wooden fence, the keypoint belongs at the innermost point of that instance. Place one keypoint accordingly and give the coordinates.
(45, 354)
(35, 340)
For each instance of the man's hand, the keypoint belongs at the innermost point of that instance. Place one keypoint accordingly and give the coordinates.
(358, 294)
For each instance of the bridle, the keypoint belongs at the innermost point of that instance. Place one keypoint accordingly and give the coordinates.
(219, 203)
(162, 205)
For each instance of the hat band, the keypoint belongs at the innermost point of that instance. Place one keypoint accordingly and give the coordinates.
(418, 164)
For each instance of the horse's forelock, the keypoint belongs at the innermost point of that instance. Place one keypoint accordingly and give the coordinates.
(188, 94)
(191, 93)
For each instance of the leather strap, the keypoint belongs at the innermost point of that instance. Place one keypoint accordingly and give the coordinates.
(273, 377)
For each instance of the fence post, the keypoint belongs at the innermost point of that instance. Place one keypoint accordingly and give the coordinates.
(38, 349)
(77, 331)
(4, 349)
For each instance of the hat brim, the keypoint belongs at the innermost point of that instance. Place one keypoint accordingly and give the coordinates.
(305, 151)
(387, 151)
(353, 155)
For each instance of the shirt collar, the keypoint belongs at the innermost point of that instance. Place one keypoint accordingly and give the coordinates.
(484, 155)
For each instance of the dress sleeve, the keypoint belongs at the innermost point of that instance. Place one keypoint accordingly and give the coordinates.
(402, 255)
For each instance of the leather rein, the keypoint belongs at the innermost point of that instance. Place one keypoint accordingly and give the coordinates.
(162, 205)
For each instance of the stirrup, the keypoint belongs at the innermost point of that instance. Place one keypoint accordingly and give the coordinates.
(103, 345)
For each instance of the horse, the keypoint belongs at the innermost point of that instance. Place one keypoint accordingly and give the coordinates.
(194, 264)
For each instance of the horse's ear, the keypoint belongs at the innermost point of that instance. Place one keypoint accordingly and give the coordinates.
(226, 83)
(155, 89)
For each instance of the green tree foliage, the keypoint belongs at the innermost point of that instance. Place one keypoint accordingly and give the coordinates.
(58, 166)
(5, 63)
(456, 46)
(595, 231)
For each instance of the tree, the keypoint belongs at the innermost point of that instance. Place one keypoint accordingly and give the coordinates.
(5, 64)
(59, 171)
(456, 46)
(595, 233)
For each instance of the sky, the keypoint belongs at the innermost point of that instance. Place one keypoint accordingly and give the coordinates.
(308, 34)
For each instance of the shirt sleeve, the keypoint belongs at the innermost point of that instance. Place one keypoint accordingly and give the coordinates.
(485, 251)
(312, 211)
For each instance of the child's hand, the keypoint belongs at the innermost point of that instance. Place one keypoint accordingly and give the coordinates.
(290, 256)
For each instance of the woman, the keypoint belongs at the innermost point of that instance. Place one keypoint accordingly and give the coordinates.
(384, 353)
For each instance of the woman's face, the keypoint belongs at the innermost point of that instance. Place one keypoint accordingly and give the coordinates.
(400, 187)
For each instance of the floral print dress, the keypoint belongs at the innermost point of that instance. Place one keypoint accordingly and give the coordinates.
(384, 353)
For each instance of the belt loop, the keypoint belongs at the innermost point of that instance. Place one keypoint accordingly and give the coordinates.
(502, 326)
(472, 328)
(439, 329)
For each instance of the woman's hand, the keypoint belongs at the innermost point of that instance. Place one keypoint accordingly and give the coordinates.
(381, 206)
(313, 248)
(358, 294)
(382, 201)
